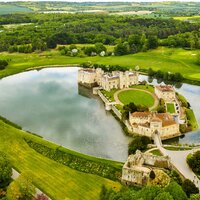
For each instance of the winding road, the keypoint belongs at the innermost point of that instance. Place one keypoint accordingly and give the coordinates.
(178, 159)
(156, 101)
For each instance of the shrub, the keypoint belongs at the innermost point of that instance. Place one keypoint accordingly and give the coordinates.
(139, 142)
(3, 64)
(189, 187)
(193, 161)
(176, 191)
(5, 170)
(77, 162)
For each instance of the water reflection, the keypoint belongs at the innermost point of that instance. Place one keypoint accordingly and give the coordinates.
(50, 103)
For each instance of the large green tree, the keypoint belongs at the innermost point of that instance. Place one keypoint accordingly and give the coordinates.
(189, 187)
(176, 191)
(5, 170)
(193, 161)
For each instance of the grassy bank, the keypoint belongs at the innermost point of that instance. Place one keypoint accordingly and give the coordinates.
(192, 119)
(55, 179)
(165, 59)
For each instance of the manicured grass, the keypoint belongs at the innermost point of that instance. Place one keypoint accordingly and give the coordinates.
(192, 119)
(178, 148)
(109, 94)
(156, 152)
(166, 59)
(170, 108)
(55, 179)
(137, 97)
(149, 88)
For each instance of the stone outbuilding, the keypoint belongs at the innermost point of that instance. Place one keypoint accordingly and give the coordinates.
(137, 169)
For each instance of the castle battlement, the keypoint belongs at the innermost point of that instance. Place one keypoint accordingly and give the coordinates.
(107, 80)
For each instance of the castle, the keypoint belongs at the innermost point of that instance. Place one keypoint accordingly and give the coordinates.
(107, 80)
(165, 92)
(147, 123)
(138, 167)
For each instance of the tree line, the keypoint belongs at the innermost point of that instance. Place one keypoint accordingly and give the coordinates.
(48, 30)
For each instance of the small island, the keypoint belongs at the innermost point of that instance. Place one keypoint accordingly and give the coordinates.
(143, 108)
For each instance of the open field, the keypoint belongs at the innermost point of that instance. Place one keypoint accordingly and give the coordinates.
(170, 108)
(10, 9)
(166, 59)
(55, 179)
(137, 97)
(188, 18)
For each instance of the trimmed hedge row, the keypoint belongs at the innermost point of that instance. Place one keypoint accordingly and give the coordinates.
(76, 162)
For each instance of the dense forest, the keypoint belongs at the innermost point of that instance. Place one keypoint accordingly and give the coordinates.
(43, 31)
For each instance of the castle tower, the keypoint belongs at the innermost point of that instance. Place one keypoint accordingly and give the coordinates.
(99, 74)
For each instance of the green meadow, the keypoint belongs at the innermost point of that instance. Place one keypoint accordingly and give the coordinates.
(56, 180)
(165, 59)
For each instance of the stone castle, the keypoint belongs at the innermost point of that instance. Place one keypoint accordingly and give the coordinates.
(138, 167)
(107, 80)
(142, 123)
(147, 123)
(166, 92)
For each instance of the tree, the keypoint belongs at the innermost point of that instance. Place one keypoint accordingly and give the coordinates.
(148, 192)
(152, 42)
(164, 196)
(151, 72)
(5, 170)
(176, 191)
(130, 108)
(89, 50)
(122, 49)
(100, 47)
(189, 187)
(3, 64)
(103, 192)
(138, 143)
(193, 161)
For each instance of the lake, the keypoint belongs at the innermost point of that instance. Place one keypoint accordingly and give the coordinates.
(49, 102)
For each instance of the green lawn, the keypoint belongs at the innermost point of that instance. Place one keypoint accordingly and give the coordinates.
(170, 108)
(166, 59)
(109, 94)
(192, 119)
(156, 152)
(55, 179)
(137, 97)
(149, 88)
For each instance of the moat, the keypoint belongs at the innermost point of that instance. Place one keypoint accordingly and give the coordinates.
(50, 103)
